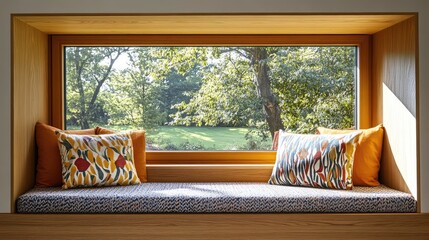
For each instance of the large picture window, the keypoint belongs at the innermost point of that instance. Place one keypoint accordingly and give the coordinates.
(210, 98)
(204, 98)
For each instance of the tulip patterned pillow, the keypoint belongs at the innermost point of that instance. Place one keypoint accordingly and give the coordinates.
(96, 160)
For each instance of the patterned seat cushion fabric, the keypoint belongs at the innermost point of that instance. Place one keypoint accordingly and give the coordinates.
(214, 198)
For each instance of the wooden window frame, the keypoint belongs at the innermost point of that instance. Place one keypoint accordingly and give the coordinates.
(58, 42)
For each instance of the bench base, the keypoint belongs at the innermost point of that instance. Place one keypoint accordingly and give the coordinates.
(215, 226)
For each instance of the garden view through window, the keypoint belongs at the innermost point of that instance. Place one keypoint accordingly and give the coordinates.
(210, 98)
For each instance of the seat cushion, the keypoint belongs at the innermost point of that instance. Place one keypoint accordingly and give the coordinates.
(214, 198)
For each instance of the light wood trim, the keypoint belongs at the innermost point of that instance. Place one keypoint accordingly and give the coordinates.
(29, 102)
(419, 183)
(57, 87)
(208, 157)
(215, 226)
(210, 40)
(362, 41)
(395, 104)
(214, 23)
(209, 172)
(364, 84)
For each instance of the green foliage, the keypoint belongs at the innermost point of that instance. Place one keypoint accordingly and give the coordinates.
(87, 71)
(210, 87)
(135, 95)
(178, 89)
(315, 86)
(226, 96)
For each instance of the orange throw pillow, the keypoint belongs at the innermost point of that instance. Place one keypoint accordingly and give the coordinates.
(139, 145)
(49, 168)
(367, 156)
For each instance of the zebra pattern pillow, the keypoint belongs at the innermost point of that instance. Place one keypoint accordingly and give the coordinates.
(323, 161)
(96, 160)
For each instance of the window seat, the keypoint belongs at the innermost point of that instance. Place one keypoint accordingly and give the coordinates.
(214, 198)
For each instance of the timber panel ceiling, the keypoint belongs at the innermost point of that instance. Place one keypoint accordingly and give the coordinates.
(213, 24)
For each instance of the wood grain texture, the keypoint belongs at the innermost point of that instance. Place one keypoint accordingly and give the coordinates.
(209, 172)
(395, 51)
(30, 102)
(213, 24)
(211, 157)
(394, 104)
(215, 226)
(364, 106)
(166, 172)
(210, 40)
(57, 84)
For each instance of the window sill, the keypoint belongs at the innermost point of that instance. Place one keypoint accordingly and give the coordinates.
(210, 157)
(209, 172)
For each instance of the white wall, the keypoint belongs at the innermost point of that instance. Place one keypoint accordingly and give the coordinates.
(8, 7)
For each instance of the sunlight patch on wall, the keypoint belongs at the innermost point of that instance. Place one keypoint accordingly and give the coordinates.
(400, 127)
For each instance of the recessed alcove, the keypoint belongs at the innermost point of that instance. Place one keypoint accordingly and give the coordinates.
(393, 80)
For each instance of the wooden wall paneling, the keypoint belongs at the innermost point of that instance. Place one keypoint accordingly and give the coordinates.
(36, 59)
(30, 102)
(214, 23)
(215, 226)
(394, 103)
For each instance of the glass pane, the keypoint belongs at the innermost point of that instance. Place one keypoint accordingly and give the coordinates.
(210, 98)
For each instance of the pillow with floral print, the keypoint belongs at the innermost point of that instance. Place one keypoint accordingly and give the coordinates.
(323, 161)
(96, 160)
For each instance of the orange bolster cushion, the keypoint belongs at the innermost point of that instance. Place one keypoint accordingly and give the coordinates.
(367, 156)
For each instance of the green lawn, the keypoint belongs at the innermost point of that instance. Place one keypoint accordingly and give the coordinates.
(198, 138)
(209, 138)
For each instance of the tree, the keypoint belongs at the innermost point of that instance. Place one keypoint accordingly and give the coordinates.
(316, 87)
(259, 61)
(87, 70)
(260, 88)
(179, 88)
(136, 95)
(226, 96)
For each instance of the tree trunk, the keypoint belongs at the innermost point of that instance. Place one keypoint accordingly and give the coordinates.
(79, 68)
(262, 81)
(105, 76)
